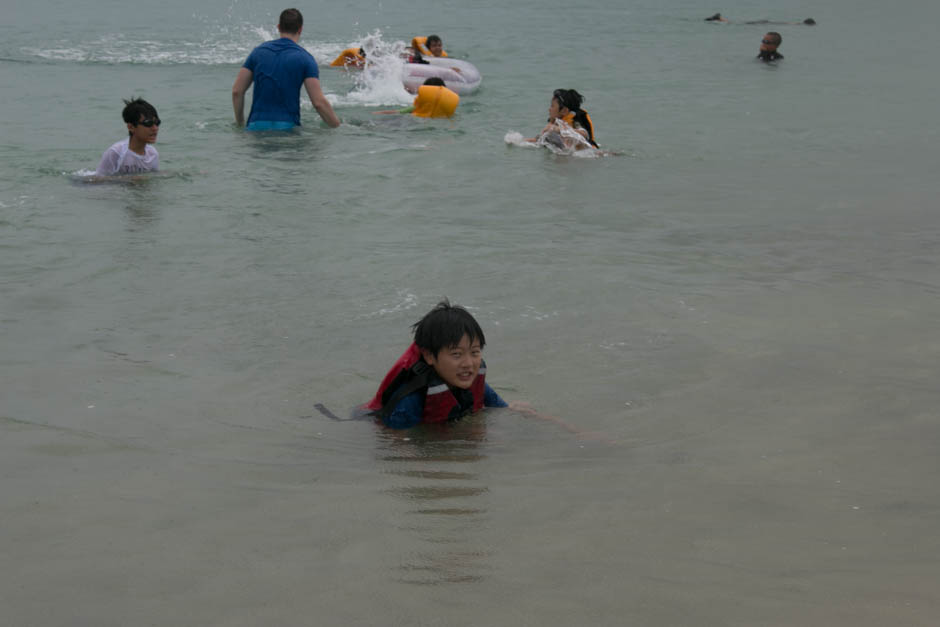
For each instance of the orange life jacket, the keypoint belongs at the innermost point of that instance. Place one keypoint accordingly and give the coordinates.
(421, 45)
(349, 57)
(434, 101)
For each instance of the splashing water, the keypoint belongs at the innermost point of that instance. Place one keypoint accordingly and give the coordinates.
(563, 141)
(380, 82)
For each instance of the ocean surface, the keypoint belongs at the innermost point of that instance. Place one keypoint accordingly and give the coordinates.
(737, 311)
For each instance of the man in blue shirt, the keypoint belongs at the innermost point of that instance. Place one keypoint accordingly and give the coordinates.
(278, 68)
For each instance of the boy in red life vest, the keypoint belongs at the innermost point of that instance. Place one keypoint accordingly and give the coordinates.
(442, 375)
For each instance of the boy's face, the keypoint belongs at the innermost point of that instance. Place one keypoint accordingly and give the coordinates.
(144, 133)
(436, 48)
(768, 43)
(457, 365)
(555, 110)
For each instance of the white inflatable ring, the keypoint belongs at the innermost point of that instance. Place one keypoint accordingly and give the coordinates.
(459, 76)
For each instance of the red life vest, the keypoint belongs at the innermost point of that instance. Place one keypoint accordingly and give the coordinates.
(439, 401)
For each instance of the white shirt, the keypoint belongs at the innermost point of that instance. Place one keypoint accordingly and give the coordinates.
(120, 159)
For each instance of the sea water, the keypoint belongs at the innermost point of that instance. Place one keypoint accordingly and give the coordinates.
(737, 311)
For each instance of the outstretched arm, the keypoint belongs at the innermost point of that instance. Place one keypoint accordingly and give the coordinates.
(394, 111)
(547, 128)
(320, 103)
(242, 83)
(528, 411)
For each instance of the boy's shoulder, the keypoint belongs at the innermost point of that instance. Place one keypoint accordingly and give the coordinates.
(120, 144)
(123, 145)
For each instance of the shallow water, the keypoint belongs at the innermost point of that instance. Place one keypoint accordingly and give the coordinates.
(740, 309)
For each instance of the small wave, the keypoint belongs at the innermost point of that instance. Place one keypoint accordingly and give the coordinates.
(230, 45)
(85, 176)
(379, 84)
(406, 302)
(223, 46)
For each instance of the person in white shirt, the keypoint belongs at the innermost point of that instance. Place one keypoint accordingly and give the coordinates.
(135, 154)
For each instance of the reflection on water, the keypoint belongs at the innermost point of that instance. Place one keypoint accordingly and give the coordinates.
(143, 208)
(141, 216)
(441, 500)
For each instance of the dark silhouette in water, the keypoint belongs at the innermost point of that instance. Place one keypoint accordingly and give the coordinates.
(717, 17)
(768, 47)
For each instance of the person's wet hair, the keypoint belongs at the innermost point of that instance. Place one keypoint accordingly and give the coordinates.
(433, 39)
(568, 98)
(444, 326)
(774, 38)
(571, 100)
(136, 108)
(290, 22)
(436, 81)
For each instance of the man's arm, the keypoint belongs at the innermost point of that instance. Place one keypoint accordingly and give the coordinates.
(242, 83)
(320, 103)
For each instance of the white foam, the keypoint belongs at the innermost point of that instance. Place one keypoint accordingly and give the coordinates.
(223, 45)
(380, 82)
(406, 302)
(574, 143)
(515, 138)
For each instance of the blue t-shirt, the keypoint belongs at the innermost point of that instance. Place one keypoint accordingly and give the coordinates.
(410, 409)
(279, 69)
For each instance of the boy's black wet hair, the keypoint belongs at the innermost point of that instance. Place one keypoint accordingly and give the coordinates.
(568, 98)
(433, 39)
(444, 326)
(290, 21)
(137, 108)
(436, 81)
(775, 37)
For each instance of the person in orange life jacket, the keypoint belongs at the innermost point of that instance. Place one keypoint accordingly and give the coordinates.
(429, 103)
(441, 376)
(430, 46)
(565, 106)
(350, 58)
